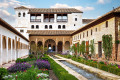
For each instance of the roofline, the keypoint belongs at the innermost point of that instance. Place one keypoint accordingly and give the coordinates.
(9, 27)
(97, 21)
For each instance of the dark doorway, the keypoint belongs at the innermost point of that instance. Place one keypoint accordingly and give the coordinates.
(60, 46)
(100, 49)
(53, 48)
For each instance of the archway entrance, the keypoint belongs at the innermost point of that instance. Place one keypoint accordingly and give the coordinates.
(67, 46)
(60, 46)
(50, 44)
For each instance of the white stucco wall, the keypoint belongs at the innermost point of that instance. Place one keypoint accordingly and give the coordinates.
(7, 55)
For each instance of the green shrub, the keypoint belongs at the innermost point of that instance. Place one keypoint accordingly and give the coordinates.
(31, 56)
(101, 62)
(3, 72)
(19, 60)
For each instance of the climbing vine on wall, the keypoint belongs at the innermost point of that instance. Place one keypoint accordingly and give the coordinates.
(107, 46)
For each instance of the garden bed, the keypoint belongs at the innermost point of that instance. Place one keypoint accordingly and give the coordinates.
(112, 68)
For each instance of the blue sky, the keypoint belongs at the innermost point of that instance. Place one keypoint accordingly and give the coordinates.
(91, 8)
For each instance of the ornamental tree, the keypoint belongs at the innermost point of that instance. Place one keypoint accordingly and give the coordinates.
(107, 46)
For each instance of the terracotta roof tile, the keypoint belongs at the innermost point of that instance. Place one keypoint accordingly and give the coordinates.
(87, 20)
(54, 10)
(50, 32)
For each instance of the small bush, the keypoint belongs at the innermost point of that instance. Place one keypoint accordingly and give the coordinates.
(3, 72)
(42, 64)
(31, 56)
(19, 67)
(19, 60)
(101, 62)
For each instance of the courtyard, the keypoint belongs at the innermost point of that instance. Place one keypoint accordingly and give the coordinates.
(59, 40)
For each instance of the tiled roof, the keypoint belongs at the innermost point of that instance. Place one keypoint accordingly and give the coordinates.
(51, 10)
(98, 20)
(87, 20)
(21, 7)
(50, 32)
(54, 10)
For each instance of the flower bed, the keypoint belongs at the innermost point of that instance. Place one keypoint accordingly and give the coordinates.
(27, 69)
(112, 68)
(42, 64)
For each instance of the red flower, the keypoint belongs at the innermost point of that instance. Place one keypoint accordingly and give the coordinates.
(37, 77)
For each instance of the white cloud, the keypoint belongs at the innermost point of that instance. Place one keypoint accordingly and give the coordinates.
(57, 5)
(10, 4)
(103, 1)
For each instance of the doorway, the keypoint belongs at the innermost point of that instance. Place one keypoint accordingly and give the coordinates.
(100, 49)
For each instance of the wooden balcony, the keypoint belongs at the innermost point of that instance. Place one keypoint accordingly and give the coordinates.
(35, 20)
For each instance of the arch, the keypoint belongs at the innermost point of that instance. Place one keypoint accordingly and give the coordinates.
(13, 44)
(50, 44)
(9, 43)
(4, 42)
(67, 46)
(39, 44)
(24, 14)
(60, 46)
(19, 14)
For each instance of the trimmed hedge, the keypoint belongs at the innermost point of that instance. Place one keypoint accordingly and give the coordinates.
(99, 65)
(59, 71)
(19, 60)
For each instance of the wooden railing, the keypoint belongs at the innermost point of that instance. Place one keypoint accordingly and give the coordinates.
(35, 20)
(62, 20)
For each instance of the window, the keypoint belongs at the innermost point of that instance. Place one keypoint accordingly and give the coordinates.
(23, 14)
(91, 31)
(106, 24)
(50, 26)
(74, 24)
(21, 30)
(96, 29)
(75, 19)
(37, 26)
(32, 26)
(63, 26)
(19, 14)
(59, 26)
(46, 26)
(87, 33)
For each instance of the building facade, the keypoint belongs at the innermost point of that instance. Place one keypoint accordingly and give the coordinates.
(106, 24)
(13, 44)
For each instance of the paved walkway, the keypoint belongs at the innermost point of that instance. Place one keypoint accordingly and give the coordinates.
(10, 63)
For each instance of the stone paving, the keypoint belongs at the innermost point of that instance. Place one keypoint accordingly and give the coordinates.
(10, 63)
(103, 74)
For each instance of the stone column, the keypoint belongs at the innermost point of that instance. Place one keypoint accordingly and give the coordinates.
(55, 18)
(42, 17)
(63, 45)
(1, 50)
(43, 45)
(56, 48)
(7, 48)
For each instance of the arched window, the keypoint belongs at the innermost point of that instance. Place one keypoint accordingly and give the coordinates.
(9, 43)
(4, 42)
(19, 14)
(23, 14)
(13, 44)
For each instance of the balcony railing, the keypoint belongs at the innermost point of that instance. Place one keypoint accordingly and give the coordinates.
(35, 20)
(62, 20)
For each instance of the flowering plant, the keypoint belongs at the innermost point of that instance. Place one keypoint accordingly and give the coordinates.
(19, 67)
(42, 64)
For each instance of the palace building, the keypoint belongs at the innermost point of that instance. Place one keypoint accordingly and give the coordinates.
(57, 28)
